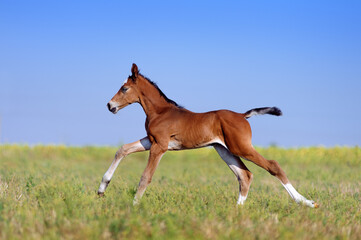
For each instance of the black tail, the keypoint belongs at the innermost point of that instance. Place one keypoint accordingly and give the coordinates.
(265, 110)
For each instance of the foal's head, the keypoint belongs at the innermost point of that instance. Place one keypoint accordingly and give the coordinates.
(127, 94)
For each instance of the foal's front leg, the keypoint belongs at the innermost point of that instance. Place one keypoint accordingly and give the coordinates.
(138, 146)
(156, 153)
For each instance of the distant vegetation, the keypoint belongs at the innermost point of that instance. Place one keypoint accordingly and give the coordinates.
(50, 192)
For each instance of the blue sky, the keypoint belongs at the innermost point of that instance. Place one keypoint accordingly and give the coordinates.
(62, 61)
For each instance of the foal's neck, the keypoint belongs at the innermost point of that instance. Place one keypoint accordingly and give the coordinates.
(151, 100)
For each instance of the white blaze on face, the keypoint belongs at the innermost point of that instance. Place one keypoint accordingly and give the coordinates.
(112, 104)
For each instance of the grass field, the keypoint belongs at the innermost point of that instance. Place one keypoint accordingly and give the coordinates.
(50, 192)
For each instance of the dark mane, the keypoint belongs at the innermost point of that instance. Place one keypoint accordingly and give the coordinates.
(161, 93)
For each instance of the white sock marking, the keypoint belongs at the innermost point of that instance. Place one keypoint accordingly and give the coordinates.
(241, 199)
(297, 196)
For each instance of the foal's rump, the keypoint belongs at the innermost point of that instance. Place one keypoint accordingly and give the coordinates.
(236, 129)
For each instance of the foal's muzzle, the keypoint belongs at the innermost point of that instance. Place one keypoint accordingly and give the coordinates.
(112, 109)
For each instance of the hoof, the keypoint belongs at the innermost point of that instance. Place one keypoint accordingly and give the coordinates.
(100, 194)
(314, 204)
(310, 203)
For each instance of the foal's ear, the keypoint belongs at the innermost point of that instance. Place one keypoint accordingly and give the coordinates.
(135, 70)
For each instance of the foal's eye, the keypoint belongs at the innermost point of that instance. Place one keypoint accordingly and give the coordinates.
(124, 89)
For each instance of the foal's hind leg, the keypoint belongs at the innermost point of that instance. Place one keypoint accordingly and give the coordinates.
(274, 169)
(138, 146)
(244, 176)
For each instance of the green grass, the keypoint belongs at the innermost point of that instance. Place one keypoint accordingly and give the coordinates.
(50, 192)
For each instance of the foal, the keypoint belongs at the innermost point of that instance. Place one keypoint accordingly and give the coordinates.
(171, 127)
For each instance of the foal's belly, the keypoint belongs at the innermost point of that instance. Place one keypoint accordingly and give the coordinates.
(175, 144)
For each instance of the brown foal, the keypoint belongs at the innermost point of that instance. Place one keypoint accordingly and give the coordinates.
(171, 127)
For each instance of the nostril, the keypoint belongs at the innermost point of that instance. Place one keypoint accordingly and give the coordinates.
(111, 108)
